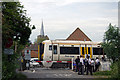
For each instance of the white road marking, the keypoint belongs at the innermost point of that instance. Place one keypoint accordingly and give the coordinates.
(33, 71)
(61, 75)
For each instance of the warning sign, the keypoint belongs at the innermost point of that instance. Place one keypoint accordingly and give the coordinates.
(27, 54)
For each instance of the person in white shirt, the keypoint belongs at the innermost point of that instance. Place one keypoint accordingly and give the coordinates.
(81, 60)
(89, 69)
(97, 64)
(81, 67)
(89, 61)
(92, 64)
(86, 64)
(87, 55)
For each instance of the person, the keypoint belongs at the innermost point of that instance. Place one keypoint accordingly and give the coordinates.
(81, 66)
(77, 60)
(87, 55)
(104, 59)
(97, 64)
(85, 63)
(21, 67)
(89, 68)
(92, 64)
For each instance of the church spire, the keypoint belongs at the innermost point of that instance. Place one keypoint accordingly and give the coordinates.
(42, 29)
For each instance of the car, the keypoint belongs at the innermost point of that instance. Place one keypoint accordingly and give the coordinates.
(33, 62)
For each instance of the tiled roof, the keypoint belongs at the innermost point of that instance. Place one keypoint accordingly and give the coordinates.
(34, 54)
(78, 35)
(33, 47)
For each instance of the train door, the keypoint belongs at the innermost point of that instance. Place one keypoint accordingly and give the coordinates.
(89, 50)
(55, 52)
(41, 51)
(86, 50)
(82, 50)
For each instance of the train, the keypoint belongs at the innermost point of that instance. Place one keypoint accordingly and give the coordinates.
(53, 51)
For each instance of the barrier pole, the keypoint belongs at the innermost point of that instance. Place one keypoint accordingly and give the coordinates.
(38, 52)
(72, 63)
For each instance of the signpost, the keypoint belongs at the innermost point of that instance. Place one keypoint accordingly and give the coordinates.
(9, 43)
(27, 57)
(8, 51)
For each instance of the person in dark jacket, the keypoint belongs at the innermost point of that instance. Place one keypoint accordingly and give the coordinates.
(77, 60)
(86, 63)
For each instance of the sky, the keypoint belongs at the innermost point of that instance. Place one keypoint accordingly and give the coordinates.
(62, 17)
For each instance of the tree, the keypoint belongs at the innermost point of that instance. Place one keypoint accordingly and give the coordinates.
(111, 44)
(40, 39)
(16, 26)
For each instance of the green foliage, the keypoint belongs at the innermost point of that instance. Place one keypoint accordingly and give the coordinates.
(103, 73)
(113, 74)
(41, 39)
(15, 22)
(20, 76)
(33, 27)
(9, 65)
(111, 44)
(15, 25)
(115, 70)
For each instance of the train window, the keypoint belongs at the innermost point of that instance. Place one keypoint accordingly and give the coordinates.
(97, 51)
(55, 49)
(69, 50)
(50, 47)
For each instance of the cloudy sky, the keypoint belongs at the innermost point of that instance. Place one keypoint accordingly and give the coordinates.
(62, 17)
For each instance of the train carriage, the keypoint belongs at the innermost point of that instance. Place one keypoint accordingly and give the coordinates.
(62, 51)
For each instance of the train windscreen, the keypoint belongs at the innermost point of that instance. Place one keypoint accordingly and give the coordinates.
(69, 50)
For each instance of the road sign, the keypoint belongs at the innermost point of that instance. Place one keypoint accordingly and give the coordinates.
(9, 43)
(8, 51)
(27, 54)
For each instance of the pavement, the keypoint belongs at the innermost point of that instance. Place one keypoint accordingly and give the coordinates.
(55, 73)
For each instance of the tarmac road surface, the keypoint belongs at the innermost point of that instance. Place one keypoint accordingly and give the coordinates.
(55, 73)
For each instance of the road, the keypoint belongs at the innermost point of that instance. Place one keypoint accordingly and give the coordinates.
(55, 73)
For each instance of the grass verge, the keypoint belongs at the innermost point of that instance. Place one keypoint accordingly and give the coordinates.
(102, 73)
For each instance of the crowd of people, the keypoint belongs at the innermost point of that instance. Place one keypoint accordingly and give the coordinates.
(86, 65)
